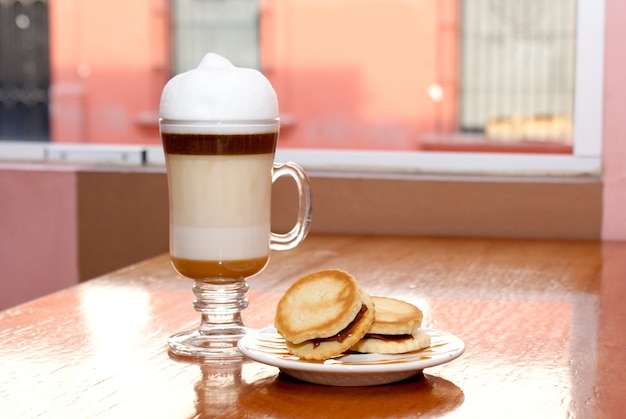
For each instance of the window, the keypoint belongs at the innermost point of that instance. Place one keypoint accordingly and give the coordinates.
(585, 156)
(229, 28)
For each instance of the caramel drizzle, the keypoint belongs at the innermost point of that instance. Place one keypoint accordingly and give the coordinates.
(345, 333)
(442, 344)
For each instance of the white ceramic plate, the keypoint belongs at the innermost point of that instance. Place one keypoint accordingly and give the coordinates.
(352, 369)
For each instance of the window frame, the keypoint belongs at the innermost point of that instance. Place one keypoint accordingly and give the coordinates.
(585, 160)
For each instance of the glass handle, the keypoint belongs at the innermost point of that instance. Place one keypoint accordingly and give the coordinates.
(301, 228)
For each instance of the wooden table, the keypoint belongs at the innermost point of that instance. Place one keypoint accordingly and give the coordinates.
(543, 323)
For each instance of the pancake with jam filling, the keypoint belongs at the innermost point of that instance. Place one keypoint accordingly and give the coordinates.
(323, 314)
(396, 329)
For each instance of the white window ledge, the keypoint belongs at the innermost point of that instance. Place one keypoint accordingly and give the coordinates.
(326, 160)
(444, 162)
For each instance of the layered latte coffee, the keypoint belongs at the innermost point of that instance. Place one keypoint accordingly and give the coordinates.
(220, 188)
(219, 127)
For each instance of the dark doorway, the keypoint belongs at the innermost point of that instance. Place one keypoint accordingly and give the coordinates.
(24, 70)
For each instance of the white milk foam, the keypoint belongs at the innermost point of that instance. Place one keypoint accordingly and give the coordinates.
(220, 206)
(218, 91)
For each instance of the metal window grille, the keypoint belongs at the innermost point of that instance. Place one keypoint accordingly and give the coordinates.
(518, 68)
(229, 28)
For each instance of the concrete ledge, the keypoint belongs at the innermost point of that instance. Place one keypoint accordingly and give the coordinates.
(62, 224)
(462, 206)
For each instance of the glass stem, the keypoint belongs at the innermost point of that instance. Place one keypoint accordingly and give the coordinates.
(220, 305)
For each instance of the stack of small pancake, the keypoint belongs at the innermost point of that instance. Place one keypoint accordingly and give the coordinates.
(326, 313)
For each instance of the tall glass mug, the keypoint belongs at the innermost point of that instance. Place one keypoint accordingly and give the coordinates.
(220, 176)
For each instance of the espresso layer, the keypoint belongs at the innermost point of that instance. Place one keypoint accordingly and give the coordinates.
(222, 144)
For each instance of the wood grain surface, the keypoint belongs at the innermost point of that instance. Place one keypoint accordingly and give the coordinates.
(543, 323)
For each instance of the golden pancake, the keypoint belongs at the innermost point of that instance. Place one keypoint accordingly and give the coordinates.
(395, 317)
(395, 329)
(324, 348)
(393, 344)
(318, 305)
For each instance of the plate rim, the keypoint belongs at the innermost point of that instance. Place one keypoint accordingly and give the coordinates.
(332, 368)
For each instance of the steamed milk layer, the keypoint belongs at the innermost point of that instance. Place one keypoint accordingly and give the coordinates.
(219, 171)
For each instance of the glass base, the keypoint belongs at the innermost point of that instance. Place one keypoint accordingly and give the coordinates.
(220, 343)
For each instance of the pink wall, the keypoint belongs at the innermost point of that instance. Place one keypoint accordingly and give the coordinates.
(62, 224)
(354, 78)
(614, 152)
(38, 237)
(355, 75)
(108, 67)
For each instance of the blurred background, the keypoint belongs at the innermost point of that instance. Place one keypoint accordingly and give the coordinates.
(80, 84)
(352, 74)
